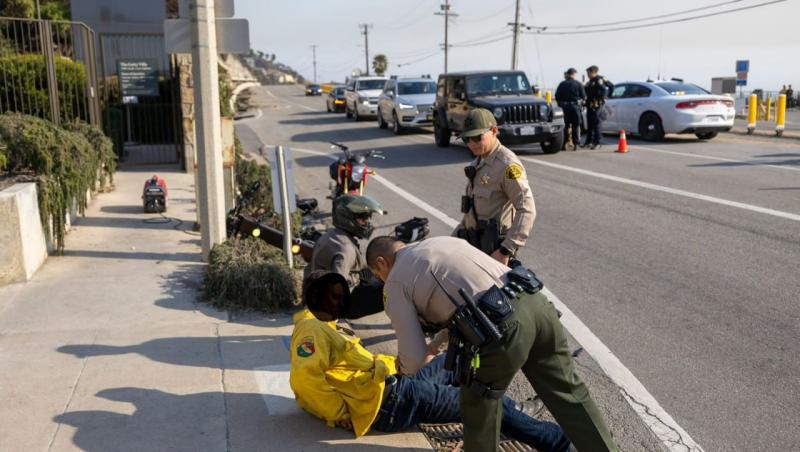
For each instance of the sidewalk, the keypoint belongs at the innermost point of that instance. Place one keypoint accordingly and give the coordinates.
(767, 128)
(107, 348)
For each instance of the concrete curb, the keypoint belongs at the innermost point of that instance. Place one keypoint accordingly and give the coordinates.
(24, 247)
(788, 135)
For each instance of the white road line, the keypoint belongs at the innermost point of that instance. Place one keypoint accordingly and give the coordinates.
(707, 157)
(663, 426)
(291, 102)
(673, 191)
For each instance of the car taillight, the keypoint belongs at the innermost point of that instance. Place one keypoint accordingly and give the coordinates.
(688, 105)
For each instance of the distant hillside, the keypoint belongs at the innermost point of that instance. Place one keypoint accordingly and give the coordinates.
(271, 72)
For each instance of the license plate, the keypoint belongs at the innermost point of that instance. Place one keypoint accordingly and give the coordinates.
(528, 130)
(714, 118)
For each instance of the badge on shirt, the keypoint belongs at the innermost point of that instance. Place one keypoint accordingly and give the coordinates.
(485, 179)
(513, 172)
(306, 347)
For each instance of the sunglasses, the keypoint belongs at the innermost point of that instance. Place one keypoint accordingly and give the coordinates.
(475, 139)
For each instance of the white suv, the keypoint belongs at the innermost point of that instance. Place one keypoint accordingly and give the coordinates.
(406, 103)
(361, 96)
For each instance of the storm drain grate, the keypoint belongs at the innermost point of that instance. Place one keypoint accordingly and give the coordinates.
(449, 437)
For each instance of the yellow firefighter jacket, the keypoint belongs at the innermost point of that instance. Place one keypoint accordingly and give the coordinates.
(333, 377)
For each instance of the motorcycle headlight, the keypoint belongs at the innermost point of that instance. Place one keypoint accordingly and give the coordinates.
(358, 173)
(405, 106)
(498, 112)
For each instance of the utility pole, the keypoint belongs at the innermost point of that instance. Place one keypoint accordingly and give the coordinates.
(314, 52)
(517, 27)
(366, 28)
(210, 187)
(445, 11)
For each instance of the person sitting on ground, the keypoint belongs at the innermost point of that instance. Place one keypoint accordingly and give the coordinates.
(337, 380)
(339, 250)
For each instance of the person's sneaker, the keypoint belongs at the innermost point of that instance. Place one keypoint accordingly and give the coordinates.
(532, 408)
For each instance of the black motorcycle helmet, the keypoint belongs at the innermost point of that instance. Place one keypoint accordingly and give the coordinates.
(349, 209)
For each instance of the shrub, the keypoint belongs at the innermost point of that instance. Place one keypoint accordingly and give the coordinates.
(65, 163)
(23, 79)
(248, 274)
(102, 145)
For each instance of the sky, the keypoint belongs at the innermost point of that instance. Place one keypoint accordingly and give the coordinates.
(408, 31)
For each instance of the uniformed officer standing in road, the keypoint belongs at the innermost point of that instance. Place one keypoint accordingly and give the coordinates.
(597, 90)
(338, 250)
(498, 206)
(422, 283)
(569, 95)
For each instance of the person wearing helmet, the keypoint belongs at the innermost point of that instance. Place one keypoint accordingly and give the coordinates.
(339, 250)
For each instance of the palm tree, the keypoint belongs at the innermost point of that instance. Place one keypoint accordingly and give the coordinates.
(380, 63)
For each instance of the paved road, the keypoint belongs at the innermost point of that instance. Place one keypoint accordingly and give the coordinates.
(680, 256)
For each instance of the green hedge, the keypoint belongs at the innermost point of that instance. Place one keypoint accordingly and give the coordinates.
(248, 274)
(65, 162)
(23, 80)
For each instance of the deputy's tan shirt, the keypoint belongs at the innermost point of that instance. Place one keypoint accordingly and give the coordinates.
(501, 192)
(337, 251)
(413, 295)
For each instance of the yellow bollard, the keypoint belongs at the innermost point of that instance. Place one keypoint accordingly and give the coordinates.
(780, 115)
(768, 110)
(752, 113)
(548, 97)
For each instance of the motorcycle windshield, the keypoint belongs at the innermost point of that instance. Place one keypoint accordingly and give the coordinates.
(358, 173)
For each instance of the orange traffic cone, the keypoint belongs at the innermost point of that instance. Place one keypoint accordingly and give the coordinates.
(622, 147)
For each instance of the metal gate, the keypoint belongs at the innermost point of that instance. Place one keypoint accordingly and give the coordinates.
(147, 128)
(48, 69)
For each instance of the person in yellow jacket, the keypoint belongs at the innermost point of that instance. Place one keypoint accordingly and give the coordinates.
(337, 380)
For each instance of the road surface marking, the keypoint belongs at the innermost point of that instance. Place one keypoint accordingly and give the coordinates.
(721, 159)
(291, 102)
(663, 426)
(273, 384)
(673, 191)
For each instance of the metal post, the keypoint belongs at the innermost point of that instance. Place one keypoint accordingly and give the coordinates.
(285, 214)
(780, 115)
(752, 114)
(515, 44)
(210, 186)
(46, 36)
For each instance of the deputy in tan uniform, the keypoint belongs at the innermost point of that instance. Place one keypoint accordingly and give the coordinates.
(338, 250)
(421, 285)
(498, 206)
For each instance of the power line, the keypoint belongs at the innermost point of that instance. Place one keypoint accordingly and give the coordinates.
(642, 19)
(420, 59)
(541, 30)
(415, 20)
(491, 16)
(501, 38)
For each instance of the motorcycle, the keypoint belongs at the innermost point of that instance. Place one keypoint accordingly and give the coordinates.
(238, 224)
(350, 173)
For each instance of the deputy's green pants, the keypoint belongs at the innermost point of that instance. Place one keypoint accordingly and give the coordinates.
(536, 343)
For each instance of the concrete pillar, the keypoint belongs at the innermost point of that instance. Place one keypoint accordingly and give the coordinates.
(210, 192)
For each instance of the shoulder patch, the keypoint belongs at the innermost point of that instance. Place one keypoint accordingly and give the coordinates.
(513, 172)
(306, 347)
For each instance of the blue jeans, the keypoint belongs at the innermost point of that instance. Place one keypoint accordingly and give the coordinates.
(433, 397)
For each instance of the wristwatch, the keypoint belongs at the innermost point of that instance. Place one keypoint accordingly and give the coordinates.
(505, 251)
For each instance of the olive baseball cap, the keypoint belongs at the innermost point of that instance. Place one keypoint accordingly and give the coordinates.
(478, 122)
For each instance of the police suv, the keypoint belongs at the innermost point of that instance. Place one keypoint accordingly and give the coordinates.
(522, 118)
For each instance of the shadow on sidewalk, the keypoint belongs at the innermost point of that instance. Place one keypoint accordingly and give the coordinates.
(192, 351)
(207, 421)
(176, 257)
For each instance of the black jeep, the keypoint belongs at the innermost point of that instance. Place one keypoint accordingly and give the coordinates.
(522, 118)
